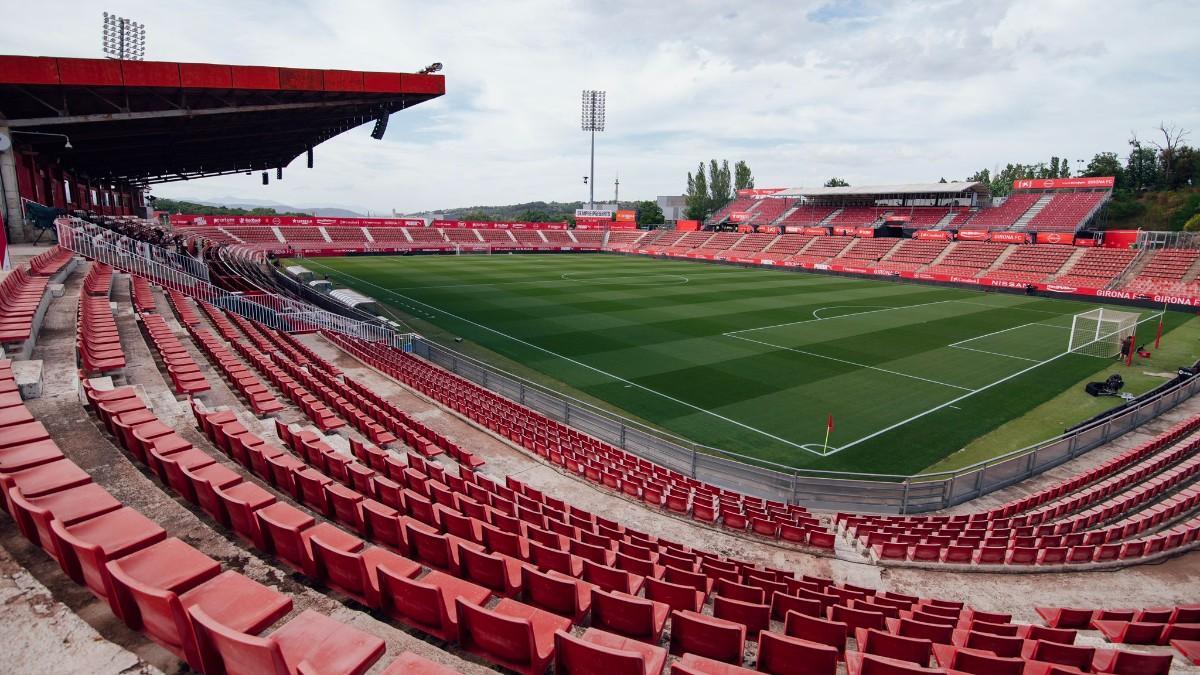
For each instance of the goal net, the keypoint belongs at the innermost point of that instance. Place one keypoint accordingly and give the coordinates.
(1099, 332)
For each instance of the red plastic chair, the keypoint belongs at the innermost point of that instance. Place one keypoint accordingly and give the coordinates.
(428, 603)
(814, 629)
(977, 661)
(311, 642)
(599, 653)
(557, 593)
(513, 635)
(878, 642)
(628, 615)
(753, 616)
(675, 596)
(694, 633)
(1126, 663)
(858, 663)
(783, 655)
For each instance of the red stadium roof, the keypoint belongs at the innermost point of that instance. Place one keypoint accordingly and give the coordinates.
(153, 121)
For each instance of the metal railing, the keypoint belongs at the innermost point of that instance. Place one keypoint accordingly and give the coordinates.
(152, 262)
(831, 490)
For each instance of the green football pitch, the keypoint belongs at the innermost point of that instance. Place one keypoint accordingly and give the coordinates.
(753, 361)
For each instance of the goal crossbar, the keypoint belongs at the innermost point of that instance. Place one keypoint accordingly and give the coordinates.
(1099, 332)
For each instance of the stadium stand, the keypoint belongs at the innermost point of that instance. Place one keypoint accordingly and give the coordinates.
(1067, 211)
(621, 240)
(787, 245)
(50, 263)
(968, 258)
(857, 216)
(1032, 264)
(913, 254)
(769, 210)
(821, 249)
(345, 234)
(596, 237)
(739, 204)
(1004, 216)
(255, 235)
(1097, 268)
(923, 217)
(868, 250)
(808, 214)
(1169, 270)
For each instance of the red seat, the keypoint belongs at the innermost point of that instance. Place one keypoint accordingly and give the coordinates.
(43, 479)
(628, 615)
(233, 599)
(1053, 652)
(282, 525)
(858, 618)
(86, 547)
(782, 603)
(1190, 649)
(611, 578)
(675, 596)
(1000, 645)
(1130, 632)
(239, 504)
(977, 661)
(1131, 663)
(858, 663)
(428, 603)
(495, 571)
(695, 633)
(753, 616)
(599, 653)
(815, 629)
(70, 506)
(513, 635)
(311, 642)
(692, 664)
(557, 593)
(1065, 617)
(872, 641)
(409, 663)
(783, 655)
(354, 570)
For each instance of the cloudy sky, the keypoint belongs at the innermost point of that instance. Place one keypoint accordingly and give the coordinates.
(875, 92)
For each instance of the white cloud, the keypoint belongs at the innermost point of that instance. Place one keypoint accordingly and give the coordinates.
(875, 92)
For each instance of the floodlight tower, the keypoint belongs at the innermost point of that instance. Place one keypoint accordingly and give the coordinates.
(124, 39)
(593, 121)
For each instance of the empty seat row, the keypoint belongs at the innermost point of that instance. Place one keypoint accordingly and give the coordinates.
(21, 296)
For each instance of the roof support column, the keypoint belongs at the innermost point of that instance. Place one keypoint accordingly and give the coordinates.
(14, 216)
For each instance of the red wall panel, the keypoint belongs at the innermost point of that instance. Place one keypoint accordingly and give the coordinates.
(423, 84)
(28, 70)
(205, 76)
(255, 77)
(301, 79)
(343, 80)
(150, 74)
(91, 72)
(386, 83)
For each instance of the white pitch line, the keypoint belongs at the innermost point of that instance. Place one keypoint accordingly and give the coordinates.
(852, 363)
(583, 365)
(733, 333)
(961, 398)
(984, 351)
(1013, 307)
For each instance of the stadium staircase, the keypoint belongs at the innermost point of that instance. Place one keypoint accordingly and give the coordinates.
(1033, 210)
(999, 261)
(231, 235)
(278, 234)
(941, 256)
(367, 235)
(325, 234)
(1132, 271)
(830, 218)
(946, 219)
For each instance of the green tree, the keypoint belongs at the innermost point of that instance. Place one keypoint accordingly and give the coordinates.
(649, 213)
(696, 197)
(1141, 167)
(1106, 164)
(1193, 224)
(836, 182)
(742, 178)
(720, 185)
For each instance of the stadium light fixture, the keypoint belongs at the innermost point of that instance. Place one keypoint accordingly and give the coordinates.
(67, 139)
(124, 39)
(592, 120)
(434, 67)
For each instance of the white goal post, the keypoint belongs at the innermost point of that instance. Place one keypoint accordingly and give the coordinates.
(1099, 332)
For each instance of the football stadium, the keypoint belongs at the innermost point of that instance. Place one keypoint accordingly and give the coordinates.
(843, 426)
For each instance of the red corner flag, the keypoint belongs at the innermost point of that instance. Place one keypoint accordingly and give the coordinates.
(828, 430)
(829, 423)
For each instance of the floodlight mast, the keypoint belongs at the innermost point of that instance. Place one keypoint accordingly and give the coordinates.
(593, 121)
(123, 39)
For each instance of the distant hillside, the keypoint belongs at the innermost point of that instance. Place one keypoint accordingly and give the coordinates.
(1165, 210)
(250, 207)
(532, 212)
